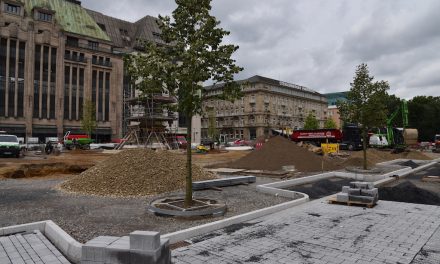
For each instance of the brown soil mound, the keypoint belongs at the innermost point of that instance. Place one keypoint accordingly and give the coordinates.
(376, 156)
(278, 152)
(137, 172)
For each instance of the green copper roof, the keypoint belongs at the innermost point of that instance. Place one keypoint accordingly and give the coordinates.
(71, 17)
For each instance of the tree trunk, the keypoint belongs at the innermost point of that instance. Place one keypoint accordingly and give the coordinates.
(364, 147)
(188, 193)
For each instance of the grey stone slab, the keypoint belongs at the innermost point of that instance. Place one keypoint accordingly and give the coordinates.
(201, 185)
(144, 240)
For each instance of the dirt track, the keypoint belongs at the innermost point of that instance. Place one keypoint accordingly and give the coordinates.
(33, 165)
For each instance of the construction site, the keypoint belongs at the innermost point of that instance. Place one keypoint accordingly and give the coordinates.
(91, 193)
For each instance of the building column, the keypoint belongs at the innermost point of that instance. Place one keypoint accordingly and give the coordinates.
(7, 77)
(29, 82)
(116, 98)
(59, 87)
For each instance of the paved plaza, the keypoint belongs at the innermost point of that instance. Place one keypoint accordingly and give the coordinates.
(29, 248)
(318, 232)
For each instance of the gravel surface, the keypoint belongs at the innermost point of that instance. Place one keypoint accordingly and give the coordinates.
(85, 217)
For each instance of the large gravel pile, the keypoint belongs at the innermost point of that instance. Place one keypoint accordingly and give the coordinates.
(136, 172)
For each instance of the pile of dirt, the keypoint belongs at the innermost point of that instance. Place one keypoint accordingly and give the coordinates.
(410, 163)
(278, 152)
(376, 156)
(322, 188)
(408, 192)
(136, 172)
(42, 170)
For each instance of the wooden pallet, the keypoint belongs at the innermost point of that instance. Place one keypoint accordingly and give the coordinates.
(332, 200)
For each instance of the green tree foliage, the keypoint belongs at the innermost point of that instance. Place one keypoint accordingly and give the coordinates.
(330, 124)
(193, 54)
(392, 104)
(424, 114)
(366, 104)
(88, 121)
(311, 122)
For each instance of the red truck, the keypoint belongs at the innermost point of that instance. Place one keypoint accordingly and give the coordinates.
(318, 135)
(349, 138)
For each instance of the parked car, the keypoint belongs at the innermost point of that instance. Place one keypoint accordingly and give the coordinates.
(9, 145)
(181, 141)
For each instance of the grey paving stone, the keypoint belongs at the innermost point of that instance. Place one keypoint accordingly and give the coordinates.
(318, 232)
(29, 248)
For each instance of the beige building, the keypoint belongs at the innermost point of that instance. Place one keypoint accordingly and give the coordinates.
(55, 55)
(267, 105)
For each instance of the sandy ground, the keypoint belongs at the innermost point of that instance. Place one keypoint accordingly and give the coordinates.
(35, 199)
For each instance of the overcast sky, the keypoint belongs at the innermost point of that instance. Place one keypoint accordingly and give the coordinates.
(318, 43)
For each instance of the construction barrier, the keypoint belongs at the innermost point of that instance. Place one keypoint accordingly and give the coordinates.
(330, 148)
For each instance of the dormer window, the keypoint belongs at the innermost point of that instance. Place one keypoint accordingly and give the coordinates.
(102, 27)
(13, 9)
(45, 17)
(93, 45)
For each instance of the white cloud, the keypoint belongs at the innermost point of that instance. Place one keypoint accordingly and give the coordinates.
(318, 43)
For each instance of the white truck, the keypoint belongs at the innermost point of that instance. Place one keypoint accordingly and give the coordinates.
(9, 146)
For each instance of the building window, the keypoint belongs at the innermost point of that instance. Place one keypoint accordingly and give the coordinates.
(45, 17)
(13, 9)
(107, 97)
(37, 81)
(73, 42)
(93, 45)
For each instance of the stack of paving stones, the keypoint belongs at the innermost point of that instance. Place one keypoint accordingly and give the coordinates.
(138, 248)
(361, 192)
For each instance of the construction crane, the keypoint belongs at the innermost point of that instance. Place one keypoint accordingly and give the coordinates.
(396, 138)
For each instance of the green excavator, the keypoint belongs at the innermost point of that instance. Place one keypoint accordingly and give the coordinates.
(396, 138)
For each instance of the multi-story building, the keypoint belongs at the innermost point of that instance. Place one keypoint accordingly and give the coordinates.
(54, 56)
(333, 111)
(267, 105)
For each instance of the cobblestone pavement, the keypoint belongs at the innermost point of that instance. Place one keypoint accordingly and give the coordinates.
(318, 232)
(430, 253)
(29, 248)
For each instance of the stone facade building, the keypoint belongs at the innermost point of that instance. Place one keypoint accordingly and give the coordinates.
(267, 105)
(55, 55)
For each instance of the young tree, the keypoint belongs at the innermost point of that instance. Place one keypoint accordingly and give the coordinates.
(88, 121)
(311, 122)
(366, 104)
(192, 55)
(330, 124)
